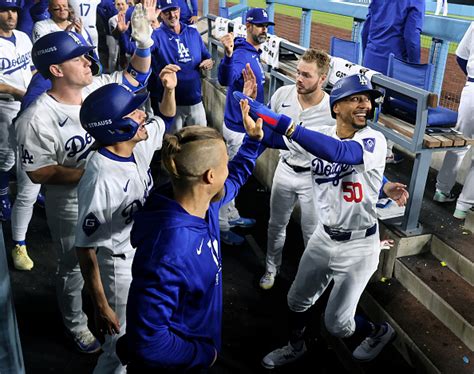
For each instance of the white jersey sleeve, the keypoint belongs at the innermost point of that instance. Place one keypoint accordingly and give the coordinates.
(102, 80)
(465, 49)
(87, 10)
(374, 146)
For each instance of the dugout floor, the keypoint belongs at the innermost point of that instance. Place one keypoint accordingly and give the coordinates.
(254, 320)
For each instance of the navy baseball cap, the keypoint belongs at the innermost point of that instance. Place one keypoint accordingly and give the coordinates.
(258, 16)
(164, 5)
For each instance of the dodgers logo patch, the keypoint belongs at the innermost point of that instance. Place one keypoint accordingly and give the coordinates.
(91, 224)
(369, 144)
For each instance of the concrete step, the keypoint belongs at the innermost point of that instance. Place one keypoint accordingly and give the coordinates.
(423, 340)
(456, 261)
(448, 296)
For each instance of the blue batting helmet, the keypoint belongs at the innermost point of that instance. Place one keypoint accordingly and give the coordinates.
(103, 111)
(352, 85)
(10, 4)
(60, 46)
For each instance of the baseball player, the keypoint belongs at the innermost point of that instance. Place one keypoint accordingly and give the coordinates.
(347, 163)
(87, 11)
(54, 147)
(112, 42)
(306, 103)
(176, 43)
(15, 75)
(453, 159)
(62, 19)
(239, 53)
(108, 200)
(174, 310)
(188, 15)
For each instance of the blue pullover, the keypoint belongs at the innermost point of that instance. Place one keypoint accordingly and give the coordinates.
(187, 50)
(174, 309)
(230, 74)
(392, 26)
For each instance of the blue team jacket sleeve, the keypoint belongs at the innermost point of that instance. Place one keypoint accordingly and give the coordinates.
(194, 5)
(204, 52)
(328, 148)
(412, 32)
(158, 304)
(241, 167)
(273, 140)
(230, 70)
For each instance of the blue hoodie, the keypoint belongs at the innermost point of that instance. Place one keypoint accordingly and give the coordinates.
(174, 309)
(187, 50)
(230, 74)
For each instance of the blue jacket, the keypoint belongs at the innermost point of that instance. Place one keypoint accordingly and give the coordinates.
(186, 13)
(29, 14)
(230, 74)
(186, 50)
(392, 26)
(174, 308)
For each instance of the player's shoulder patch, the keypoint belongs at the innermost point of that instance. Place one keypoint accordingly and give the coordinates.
(91, 224)
(369, 144)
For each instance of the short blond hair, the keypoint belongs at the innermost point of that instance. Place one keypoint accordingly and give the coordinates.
(319, 57)
(188, 153)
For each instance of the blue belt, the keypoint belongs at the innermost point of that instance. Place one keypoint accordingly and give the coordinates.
(469, 79)
(341, 236)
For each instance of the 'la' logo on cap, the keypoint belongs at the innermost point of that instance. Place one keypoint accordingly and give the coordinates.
(264, 13)
(363, 80)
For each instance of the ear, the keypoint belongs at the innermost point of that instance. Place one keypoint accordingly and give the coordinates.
(209, 176)
(322, 78)
(335, 108)
(55, 71)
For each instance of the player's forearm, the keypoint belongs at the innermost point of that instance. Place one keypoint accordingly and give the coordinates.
(56, 174)
(15, 92)
(168, 103)
(91, 274)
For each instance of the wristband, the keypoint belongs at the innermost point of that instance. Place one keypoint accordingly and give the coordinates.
(145, 52)
(141, 78)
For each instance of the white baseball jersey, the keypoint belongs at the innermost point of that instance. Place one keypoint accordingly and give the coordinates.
(111, 190)
(50, 133)
(346, 195)
(15, 61)
(465, 49)
(87, 10)
(285, 101)
(47, 26)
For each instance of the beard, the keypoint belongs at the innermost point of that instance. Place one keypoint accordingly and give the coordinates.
(260, 38)
(359, 127)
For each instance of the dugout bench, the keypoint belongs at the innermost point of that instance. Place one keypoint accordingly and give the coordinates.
(412, 137)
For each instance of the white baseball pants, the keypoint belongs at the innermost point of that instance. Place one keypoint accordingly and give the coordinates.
(288, 187)
(453, 159)
(189, 115)
(350, 264)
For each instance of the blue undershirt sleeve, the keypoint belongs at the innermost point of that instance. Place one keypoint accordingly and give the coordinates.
(381, 192)
(462, 64)
(330, 149)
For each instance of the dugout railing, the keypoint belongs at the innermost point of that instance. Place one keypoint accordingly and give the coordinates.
(409, 137)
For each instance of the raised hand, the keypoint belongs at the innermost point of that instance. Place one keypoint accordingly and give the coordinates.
(150, 9)
(250, 82)
(168, 76)
(228, 43)
(141, 29)
(253, 129)
(122, 26)
(277, 122)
